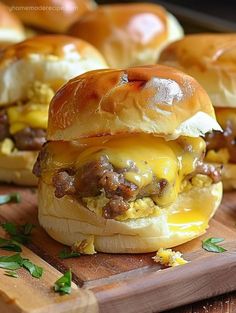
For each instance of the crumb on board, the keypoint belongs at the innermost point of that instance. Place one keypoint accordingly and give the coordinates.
(168, 257)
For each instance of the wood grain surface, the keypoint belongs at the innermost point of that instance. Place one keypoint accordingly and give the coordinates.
(121, 283)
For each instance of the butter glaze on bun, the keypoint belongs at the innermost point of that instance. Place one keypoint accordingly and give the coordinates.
(11, 29)
(149, 99)
(52, 59)
(129, 34)
(51, 15)
(209, 58)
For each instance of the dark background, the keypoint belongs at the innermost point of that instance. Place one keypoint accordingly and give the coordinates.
(208, 15)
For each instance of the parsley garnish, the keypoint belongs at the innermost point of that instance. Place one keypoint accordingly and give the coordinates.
(67, 254)
(35, 270)
(19, 233)
(63, 284)
(11, 274)
(11, 197)
(211, 245)
(9, 245)
(13, 262)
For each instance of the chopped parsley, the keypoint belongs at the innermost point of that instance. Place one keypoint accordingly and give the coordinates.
(63, 284)
(211, 245)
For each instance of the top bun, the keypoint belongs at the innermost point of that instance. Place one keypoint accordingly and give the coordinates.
(211, 59)
(52, 59)
(129, 34)
(11, 29)
(50, 15)
(151, 99)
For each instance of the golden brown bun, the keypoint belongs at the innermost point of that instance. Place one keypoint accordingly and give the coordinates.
(229, 176)
(149, 99)
(50, 15)
(52, 59)
(11, 29)
(67, 221)
(209, 58)
(128, 34)
(17, 168)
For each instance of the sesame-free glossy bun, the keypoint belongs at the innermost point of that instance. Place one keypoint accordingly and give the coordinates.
(209, 58)
(150, 99)
(50, 15)
(11, 29)
(128, 34)
(52, 59)
(67, 221)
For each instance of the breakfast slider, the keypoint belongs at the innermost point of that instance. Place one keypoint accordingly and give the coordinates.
(128, 34)
(50, 15)
(211, 59)
(123, 168)
(30, 73)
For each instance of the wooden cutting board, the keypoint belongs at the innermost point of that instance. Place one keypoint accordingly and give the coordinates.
(116, 283)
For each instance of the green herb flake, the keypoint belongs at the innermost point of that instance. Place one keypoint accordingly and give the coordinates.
(19, 233)
(11, 274)
(35, 270)
(9, 245)
(10, 198)
(12, 262)
(67, 254)
(63, 284)
(210, 245)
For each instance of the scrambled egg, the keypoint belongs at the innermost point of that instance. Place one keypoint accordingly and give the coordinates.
(138, 208)
(168, 257)
(220, 156)
(146, 206)
(34, 112)
(85, 246)
(6, 146)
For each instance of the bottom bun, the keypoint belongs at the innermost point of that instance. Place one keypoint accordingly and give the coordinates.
(229, 176)
(17, 168)
(68, 221)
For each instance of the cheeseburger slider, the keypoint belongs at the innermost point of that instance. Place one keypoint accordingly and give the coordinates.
(11, 29)
(30, 73)
(50, 15)
(122, 170)
(211, 59)
(128, 34)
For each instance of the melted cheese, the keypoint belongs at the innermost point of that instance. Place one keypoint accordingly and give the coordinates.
(33, 113)
(152, 156)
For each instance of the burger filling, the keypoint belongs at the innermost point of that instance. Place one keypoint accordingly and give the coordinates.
(25, 123)
(221, 146)
(125, 177)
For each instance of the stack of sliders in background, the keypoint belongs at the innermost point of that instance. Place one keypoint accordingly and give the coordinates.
(54, 16)
(211, 59)
(128, 34)
(11, 29)
(133, 179)
(30, 74)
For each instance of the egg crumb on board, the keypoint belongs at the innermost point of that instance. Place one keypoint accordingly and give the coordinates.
(85, 246)
(168, 257)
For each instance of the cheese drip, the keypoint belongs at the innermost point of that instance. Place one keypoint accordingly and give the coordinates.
(152, 157)
(34, 112)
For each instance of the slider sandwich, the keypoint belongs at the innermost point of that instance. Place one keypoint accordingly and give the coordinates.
(50, 15)
(123, 168)
(30, 74)
(211, 59)
(128, 34)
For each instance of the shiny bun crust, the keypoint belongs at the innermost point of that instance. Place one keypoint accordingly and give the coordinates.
(150, 99)
(57, 16)
(17, 168)
(229, 176)
(211, 59)
(52, 59)
(129, 34)
(11, 29)
(67, 221)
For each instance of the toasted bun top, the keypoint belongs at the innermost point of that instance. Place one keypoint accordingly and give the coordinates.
(129, 34)
(52, 59)
(11, 29)
(150, 99)
(50, 15)
(211, 59)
